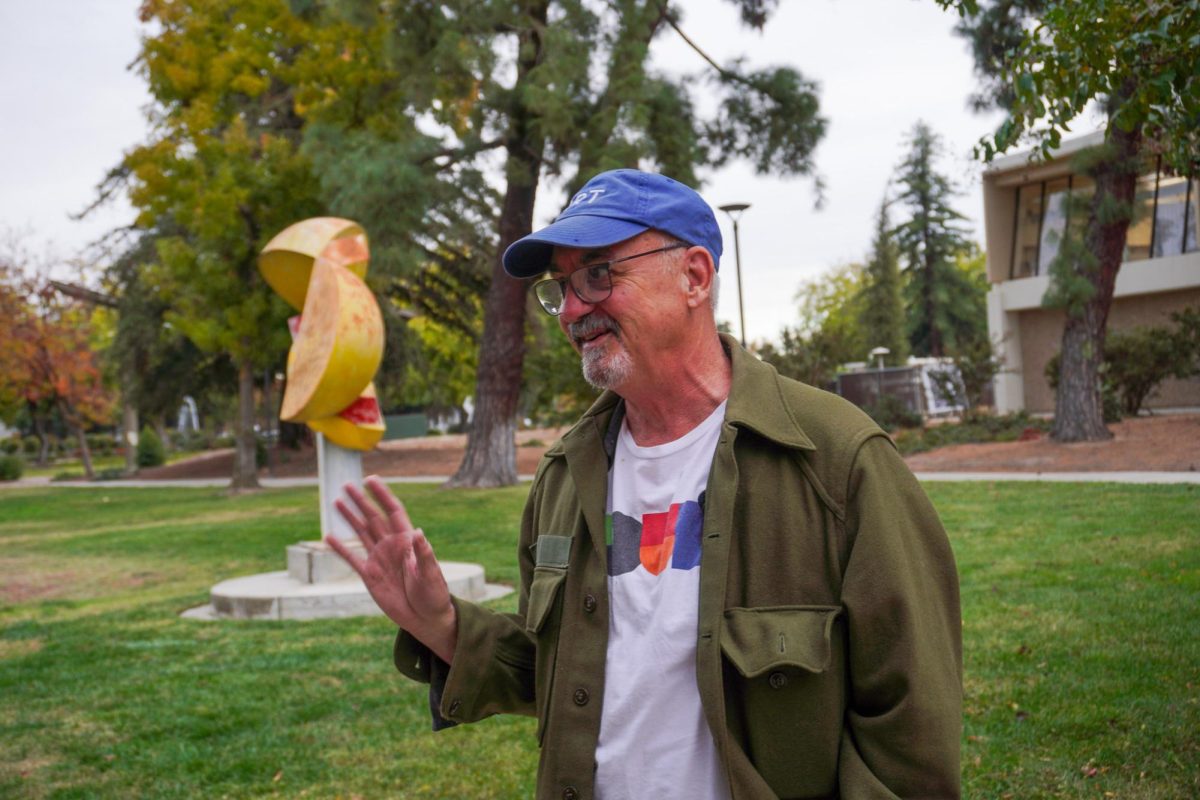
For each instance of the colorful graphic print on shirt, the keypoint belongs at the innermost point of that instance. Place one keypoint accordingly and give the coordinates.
(659, 540)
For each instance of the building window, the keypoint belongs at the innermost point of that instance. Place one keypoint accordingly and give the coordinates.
(1174, 217)
(1054, 222)
(1191, 231)
(1141, 228)
(1029, 218)
(1166, 219)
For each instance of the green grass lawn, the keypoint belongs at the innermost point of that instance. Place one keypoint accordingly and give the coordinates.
(1081, 610)
(71, 468)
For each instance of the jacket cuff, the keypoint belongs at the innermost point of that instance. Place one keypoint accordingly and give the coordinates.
(416, 661)
(459, 692)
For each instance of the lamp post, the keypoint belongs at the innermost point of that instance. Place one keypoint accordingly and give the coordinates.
(734, 210)
(879, 353)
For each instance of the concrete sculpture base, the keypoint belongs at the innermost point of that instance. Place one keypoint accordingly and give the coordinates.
(318, 585)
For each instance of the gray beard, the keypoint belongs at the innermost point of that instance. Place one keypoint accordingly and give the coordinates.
(605, 371)
(601, 371)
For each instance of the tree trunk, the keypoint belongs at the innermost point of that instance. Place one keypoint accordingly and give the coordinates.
(1078, 404)
(75, 425)
(245, 471)
(164, 436)
(931, 312)
(268, 406)
(39, 430)
(129, 432)
(491, 455)
(85, 452)
(129, 417)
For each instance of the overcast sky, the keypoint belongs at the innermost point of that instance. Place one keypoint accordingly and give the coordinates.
(71, 108)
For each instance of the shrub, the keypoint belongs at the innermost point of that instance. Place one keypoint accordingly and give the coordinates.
(10, 445)
(891, 413)
(30, 445)
(150, 451)
(11, 468)
(56, 446)
(102, 444)
(1187, 339)
(977, 428)
(1137, 361)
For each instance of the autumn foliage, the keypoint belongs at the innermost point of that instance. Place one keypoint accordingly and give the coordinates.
(47, 362)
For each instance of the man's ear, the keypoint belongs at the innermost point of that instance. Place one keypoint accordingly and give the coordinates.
(698, 271)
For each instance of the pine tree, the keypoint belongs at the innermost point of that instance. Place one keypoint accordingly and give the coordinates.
(935, 293)
(883, 306)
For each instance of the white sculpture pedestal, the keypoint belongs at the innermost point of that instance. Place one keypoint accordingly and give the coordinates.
(317, 583)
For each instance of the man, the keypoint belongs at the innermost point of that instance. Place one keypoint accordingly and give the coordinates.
(731, 585)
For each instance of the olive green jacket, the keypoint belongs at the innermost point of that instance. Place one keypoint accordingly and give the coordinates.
(828, 655)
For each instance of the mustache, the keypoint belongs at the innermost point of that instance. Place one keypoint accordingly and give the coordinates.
(591, 325)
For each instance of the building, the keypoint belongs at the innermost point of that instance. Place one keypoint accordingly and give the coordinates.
(1026, 210)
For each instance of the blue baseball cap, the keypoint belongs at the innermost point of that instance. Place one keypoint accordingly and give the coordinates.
(615, 206)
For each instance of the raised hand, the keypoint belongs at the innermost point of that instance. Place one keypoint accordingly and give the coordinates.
(400, 570)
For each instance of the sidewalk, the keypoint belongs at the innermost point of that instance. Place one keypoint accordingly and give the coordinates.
(284, 483)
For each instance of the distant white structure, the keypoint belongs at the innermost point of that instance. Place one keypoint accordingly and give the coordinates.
(189, 417)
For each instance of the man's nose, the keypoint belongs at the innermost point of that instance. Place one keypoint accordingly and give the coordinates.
(573, 308)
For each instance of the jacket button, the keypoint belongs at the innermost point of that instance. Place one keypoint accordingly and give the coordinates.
(581, 697)
(777, 680)
(589, 603)
(570, 793)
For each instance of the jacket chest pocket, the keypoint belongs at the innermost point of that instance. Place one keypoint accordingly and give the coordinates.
(551, 555)
(785, 693)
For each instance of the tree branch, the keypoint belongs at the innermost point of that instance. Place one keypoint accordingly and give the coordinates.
(85, 294)
(733, 76)
(458, 153)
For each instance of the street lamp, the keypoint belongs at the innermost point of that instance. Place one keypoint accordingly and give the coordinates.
(879, 353)
(734, 210)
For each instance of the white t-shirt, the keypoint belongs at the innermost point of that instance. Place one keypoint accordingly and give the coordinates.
(654, 739)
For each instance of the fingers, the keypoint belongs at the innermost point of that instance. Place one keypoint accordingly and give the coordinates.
(426, 563)
(392, 507)
(374, 526)
(355, 521)
(356, 563)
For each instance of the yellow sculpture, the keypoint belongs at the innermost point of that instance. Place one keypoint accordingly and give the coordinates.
(318, 266)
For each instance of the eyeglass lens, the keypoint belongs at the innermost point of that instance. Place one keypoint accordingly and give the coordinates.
(592, 285)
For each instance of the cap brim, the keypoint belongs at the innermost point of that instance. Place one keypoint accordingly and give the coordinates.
(530, 256)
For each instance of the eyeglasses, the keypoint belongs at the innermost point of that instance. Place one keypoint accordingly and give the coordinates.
(591, 284)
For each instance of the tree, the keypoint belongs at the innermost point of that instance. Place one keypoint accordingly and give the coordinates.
(558, 90)
(12, 311)
(555, 390)
(831, 306)
(155, 364)
(936, 293)
(882, 306)
(1140, 61)
(49, 362)
(220, 176)
(829, 333)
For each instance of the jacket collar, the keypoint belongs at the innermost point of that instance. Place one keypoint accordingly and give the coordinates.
(755, 402)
